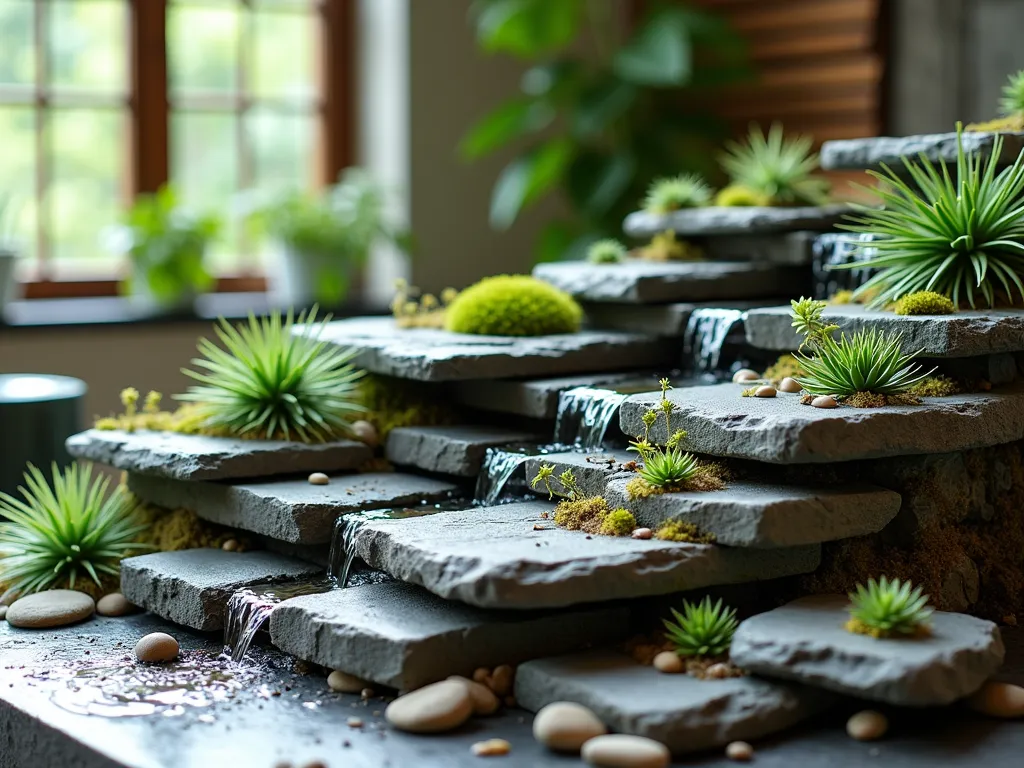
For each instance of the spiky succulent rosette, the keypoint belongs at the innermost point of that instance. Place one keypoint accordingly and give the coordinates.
(669, 467)
(1012, 102)
(868, 361)
(704, 629)
(61, 535)
(687, 190)
(778, 169)
(275, 378)
(889, 608)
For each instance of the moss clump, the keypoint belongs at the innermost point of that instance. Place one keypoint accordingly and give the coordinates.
(618, 523)
(175, 530)
(841, 297)
(608, 251)
(513, 305)
(858, 627)
(875, 400)
(739, 195)
(786, 366)
(665, 247)
(924, 303)
(1010, 124)
(581, 514)
(392, 403)
(676, 530)
(935, 386)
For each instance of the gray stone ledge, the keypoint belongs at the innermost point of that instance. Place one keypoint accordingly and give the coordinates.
(870, 153)
(738, 220)
(458, 450)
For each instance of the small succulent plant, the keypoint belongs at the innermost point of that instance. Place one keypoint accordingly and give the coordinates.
(777, 168)
(1012, 102)
(888, 608)
(275, 378)
(607, 251)
(71, 532)
(513, 305)
(688, 190)
(704, 629)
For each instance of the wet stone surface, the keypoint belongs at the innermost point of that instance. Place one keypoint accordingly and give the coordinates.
(735, 220)
(861, 154)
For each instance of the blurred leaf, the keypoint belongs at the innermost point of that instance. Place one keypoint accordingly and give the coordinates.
(527, 178)
(551, 79)
(659, 54)
(526, 27)
(554, 239)
(508, 121)
(596, 181)
(601, 105)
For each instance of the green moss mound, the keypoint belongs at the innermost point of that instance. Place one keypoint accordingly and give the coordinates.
(513, 305)
(925, 303)
(618, 523)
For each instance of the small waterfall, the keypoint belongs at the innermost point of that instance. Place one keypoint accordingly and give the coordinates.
(342, 554)
(584, 414)
(834, 249)
(706, 334)
(498, 467)
(249, 608)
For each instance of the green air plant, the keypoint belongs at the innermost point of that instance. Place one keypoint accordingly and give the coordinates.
(1012, 103)
(889, 608)
(669, 466)
(58, 536)
(607, 251)
(275, 378)
(704, 629)
(961, 238)
(688, 190)
(775, 167)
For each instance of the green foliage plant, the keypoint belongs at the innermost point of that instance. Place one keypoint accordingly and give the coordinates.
(603, 108)
(962, 238)
(513, 305)
(687, 190)
(166, 245)
(889, 608)
(275, 378)
(1012, 102)
(606, 251)
(704, 629)
(578, 511)
(778, 168)
(924, 303)
(61, 535)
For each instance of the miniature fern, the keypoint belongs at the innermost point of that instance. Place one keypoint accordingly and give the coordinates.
(704, 629)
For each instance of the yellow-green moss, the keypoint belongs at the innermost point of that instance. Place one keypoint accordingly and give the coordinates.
(750, 391)
(174, 530)
(618, 523)
(709, 476)
(841, 297)
(513, 305)
(858, 627)
(875, 400)
(786, 366)
(924, 303)
(677, 530)
(581, 515)
(739, 195)
(1011, 123)
(935, 386)
(666, 247)
(392, 403)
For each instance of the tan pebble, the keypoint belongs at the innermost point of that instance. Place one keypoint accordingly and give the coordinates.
(3, 612)
(230, 546)
(484, 700)
(432, 709)
(115, 604)
(491, 748)
(343, 682)
(319, 478)
(8, 597)
(643, 533)
(998, 700)
(156, 647)
(482, 675)
(740, 751)
(366, 693)
(502, 679)
(824, 401)
(53, 608)
(867, 725)
(669, 661)
(365, 432)
(355, 722)
(745, 374)
(717, 671)
(788, 384)
(619, 750)
(765, 391)
(565, 726)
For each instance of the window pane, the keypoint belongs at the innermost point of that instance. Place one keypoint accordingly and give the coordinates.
(17, 55)
(88, 45)
(84, 197)
(282, 57)
(202, 49)
(17, 173)
(281, 148)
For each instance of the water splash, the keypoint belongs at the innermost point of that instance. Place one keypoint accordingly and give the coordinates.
(249, 608)
(706, 334)
(834, 249)
(500, 464)
(584, 414)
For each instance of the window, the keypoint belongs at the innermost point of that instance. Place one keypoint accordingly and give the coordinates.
(101, 100)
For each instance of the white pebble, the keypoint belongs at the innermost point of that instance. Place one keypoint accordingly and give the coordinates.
(669, 661)
(739, 751)
(565, 726)
(642, 533)
(156, 648)
(435, 708)
(231, 545)
(867, 725)
(319, 478)
(619, 750)
(765, 391)
(788, 384)
(484, 700)
(824, 401)
(745, 374)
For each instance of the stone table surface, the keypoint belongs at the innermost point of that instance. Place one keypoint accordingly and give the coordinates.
(871, 152)
(257, 729)
(737, 220)
(720, 422)
(967, 333)
(429, 354)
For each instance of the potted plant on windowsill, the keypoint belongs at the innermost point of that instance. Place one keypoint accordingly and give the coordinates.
(8, 250)
(166, 246)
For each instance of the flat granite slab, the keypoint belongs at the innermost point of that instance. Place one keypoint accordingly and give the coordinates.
(805, 641)
(963, 334)
(192, 587)
(682, 712)
(872, 152)
(197, 457)
(428, 354)
(455, 451)
(662, 319)
(744, 514)
(738, 220)
(293, 511)
(720, 422)
(511, 557)
(402, 636)
(661, 282)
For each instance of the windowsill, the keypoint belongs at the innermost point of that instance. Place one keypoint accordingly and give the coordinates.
(117, 310)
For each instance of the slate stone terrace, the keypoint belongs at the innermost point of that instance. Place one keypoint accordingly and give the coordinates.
(753, 220)
(871, 153)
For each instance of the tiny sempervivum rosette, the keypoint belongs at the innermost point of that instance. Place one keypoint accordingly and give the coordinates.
(704, 629)
(867, 361)
(275, 378)
(961, 238)
(667, 467)
(887, 608)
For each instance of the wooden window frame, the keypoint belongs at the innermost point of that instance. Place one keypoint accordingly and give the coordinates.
(149, 111)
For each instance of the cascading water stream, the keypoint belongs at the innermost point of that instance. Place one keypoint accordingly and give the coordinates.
(498, 467)
(706, 334)
(834, 249)
(339, 565)
(584, 414)
(249, 609)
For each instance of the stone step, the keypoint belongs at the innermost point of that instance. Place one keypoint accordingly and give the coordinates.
(428, 354)
(663, 319)
(684, 713)
(872, 152)
(663, 282)
(402, 636)
(512, 557)
(735, 221)
(198, 457)
(457, 450)
(745, 513)
(192, 587)
(293, 511)
(963, 334)
(720, 422)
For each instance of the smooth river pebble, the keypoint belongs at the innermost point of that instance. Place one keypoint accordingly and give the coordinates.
(824, 401)
(620, 750)
(669, 661)
(491, 748)
(365, 432)
(156, 648)
(343, 682)
(319, 478)
(765, 391)
(739, 751)
(484, 700)
(564, 726)
(115, 604)
(642, 533)
(867, 725)
(432, 709)
(54, 608)
(745, 374)
(789, 384)
(998, 700)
